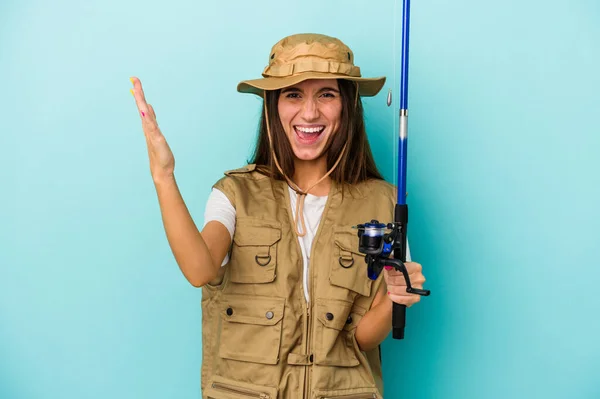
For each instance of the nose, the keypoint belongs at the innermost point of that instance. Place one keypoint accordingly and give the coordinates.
(310, 110)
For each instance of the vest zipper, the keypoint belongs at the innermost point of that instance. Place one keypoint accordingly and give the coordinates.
(352, 396)
(309, 286)
(308, 369)
(311, 290)
(240, 391)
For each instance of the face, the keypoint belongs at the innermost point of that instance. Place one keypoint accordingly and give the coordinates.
(310, 113)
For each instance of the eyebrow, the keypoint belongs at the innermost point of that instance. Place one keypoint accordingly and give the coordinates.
(295, 89)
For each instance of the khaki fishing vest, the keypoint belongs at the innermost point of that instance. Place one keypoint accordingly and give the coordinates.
(261, 339)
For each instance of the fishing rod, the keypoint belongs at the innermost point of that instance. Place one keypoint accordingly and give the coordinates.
(373, 239)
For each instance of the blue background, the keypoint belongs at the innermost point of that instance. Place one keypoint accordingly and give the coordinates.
(503, 186)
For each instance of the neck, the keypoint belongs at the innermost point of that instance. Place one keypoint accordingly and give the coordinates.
(308, 173)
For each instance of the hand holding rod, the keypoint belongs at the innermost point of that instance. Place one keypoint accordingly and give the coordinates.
(377, 247)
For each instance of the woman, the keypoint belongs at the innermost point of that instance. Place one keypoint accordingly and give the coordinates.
(288, 310)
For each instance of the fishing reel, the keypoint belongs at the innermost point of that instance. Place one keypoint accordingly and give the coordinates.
(378, 241)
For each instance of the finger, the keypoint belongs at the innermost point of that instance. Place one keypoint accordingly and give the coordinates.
(393, 277)
(149, 123)
(137, 83)
(151, 112)
(411, 267)
(415, 279)
(138, 94)
(399, 290)
(405, 300)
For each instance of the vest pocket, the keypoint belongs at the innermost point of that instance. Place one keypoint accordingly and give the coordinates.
(254, 251)
(251, 328)
(224, 388)
(334, 334)
(348, 268)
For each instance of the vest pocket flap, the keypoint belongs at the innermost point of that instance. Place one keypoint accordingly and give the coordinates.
(348, 268)
(346, 239)
(356, 314)
(333, 313)
(333, 344)
(260, 311)
(224, 388)
(256, 234)
(254, 251)
(251, 328)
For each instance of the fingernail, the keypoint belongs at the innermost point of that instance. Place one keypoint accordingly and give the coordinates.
(388, 293)
(388, 268)
(143, 114)
(132, 93)
(132, 81)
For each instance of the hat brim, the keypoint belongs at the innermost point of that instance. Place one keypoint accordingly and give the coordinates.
(367, 87)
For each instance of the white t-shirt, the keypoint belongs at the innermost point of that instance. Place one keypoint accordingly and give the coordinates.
(219, 208)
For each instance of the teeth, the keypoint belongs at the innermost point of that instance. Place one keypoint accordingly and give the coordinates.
(310, 129)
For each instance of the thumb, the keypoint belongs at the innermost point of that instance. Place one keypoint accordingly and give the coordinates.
(151, 112)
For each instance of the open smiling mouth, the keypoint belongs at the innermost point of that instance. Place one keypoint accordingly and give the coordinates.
(308, 135)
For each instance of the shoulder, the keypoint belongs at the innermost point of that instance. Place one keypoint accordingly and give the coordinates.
(238, 180)
(249, 171)
(376, 188)
(381, 185)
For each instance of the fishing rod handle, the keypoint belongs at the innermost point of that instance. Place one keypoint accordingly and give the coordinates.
(398, 310)
(398, 320)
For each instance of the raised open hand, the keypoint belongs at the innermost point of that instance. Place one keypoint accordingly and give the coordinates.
(162, 161)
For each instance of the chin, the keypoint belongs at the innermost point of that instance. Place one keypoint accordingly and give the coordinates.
(308, 155)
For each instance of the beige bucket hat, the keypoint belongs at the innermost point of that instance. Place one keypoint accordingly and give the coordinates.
(306, 56)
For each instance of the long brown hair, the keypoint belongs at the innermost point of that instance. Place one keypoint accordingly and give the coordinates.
(357, 163)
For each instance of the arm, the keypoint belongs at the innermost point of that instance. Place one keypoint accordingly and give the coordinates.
(376, 324)
(199, 255)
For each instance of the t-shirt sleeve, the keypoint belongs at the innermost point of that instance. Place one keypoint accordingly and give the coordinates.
(220, 209)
